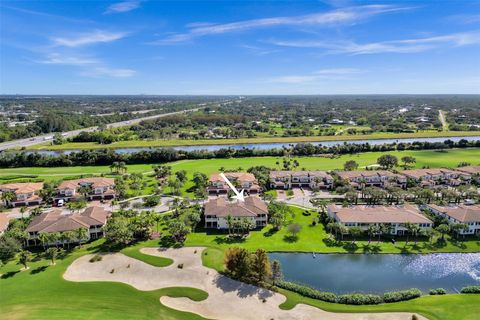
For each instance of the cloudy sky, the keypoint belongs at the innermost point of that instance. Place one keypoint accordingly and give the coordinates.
(239, 47)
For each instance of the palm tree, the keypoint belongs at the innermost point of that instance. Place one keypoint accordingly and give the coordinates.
(81, 234)
(355, 232)
(44, 239)
(229, 223)
(372, 230)
(24, 258)
(409, 227)
(85, 190)
(443, 229)
(8, 197)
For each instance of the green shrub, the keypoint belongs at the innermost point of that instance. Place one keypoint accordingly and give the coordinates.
(307, 291)
(359, 299)
(471, 289)
(95, 258)
(438, 291)
(396, 296)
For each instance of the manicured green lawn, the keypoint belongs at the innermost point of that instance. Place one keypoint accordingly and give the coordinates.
(180, 142)
(315, 239)
(451, 307)
(448, 158)
(42, 293)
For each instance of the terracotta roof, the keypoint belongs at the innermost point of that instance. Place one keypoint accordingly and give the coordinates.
(21, 188)
(469, 169)
(460, 213)
(96, 182)
(55, 221)
(220, 207)
(4, 221)
(314, 173)
(240, 176)
(379, 214)
(366, 173)
(419, 173)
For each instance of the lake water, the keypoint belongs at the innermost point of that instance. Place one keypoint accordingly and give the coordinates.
(268, 146)
(378, 273)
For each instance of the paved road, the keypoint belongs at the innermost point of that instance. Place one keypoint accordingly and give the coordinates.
(48, 137)
(441, 117)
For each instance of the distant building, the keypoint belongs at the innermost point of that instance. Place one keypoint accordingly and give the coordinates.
(241, 180)
(473, 171)
(217, 210)
(376, 178)
(394, 216)
(469, 215)
(26, 194)
(304, 179)
(101, 189)
(93, 219)
(431, 177)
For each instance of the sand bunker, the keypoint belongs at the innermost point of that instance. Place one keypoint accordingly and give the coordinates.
(227, 299)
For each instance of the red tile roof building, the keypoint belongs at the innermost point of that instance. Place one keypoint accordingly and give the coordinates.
(469, 215)
(102, 188)
(309, 179)
(26, 194)
(217, 210)
(241, 180)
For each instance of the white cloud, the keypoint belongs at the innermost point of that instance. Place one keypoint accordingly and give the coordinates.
(323, 74)
(97, 36)
(395, 46)
(334, 17)
(124, 6)
(56, 58)
(108, 72)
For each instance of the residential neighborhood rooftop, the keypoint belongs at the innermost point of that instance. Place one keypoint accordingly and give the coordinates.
(96, 182)
(462, 213)
(221, 207)
(379, 214)
(22, 188)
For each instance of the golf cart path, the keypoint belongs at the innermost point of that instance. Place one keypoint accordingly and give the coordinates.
(227, 299)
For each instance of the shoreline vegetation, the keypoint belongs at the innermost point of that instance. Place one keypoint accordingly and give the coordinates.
(259, 140)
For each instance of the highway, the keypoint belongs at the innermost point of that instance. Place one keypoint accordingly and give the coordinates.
(15, 144)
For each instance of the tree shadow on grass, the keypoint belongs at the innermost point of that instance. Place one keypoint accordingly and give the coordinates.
(290, 238)
(228, 240)
(372, 248)
(270, 232)
(9, 274)
(329, 242)
(38, 270)
(350, 247)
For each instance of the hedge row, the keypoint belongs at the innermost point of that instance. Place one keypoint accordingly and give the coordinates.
(403, 295)
(471, 289)
(355, 298)
(307, 291)
(359, 299)
(438, 291)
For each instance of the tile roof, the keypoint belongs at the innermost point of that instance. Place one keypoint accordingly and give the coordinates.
(220, 207)
(313, 173)
(55, 221)
(419, 173)
(460, 213)
(96, 182)
(240, 176)
(21, 188)
(469, 169)
(379, 214)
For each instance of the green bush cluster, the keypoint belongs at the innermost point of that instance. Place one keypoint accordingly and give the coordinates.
(403, 295)
(359, 299)
(471, 289)
(438, 291)
(307, 291)
(354, 298)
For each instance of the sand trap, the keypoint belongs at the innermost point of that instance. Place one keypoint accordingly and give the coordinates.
(228, 299)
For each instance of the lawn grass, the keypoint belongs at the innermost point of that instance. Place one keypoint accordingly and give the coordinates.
(316, 239)
(42, 293)
(432, 158)
(447, 307)
(156, 261)
(182, 142)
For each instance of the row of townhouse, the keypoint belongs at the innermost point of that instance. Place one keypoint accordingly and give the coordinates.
(302, 179)
(394, 216)
(373, 178)
(92, 219)
(241, 180)
(27, 194)
(468, 215)
(432, 177)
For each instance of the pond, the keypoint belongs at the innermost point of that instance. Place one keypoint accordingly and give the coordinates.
(378, 273)
(268, 146)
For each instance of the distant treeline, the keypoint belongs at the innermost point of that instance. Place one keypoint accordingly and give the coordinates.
(160, 155)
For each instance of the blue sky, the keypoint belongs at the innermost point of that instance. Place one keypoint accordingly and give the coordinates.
(239, 47)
